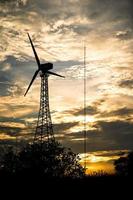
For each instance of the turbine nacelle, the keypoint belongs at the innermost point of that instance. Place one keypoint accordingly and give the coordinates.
(45, 67)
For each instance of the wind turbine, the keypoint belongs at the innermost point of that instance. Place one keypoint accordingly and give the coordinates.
(44, 128)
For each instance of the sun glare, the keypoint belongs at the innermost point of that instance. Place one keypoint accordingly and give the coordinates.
(94, 158)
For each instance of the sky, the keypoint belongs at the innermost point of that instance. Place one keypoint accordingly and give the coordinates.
(59, 29)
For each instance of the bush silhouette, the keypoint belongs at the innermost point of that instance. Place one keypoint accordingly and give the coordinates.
(42, 159)
(124, 165)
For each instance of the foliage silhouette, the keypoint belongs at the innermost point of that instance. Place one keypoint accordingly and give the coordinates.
(45, 159)
(124, 165)
(99, 173)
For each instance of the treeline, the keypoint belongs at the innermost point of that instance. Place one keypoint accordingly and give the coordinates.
(52, 160)
(49, 160)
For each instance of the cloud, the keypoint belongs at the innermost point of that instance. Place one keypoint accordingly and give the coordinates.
(13, 75)
(110, 11)
(62, 127)
(113, 135)
(65, 22)
(117, 133)
(90, 110)
(107, 135)
(124, 113)
(8, 1)
(124, 35)
(126, 83)
(111, 153)
(121, 112)
(12, 131)
(95, 110)
(10, 89)
(76, 16)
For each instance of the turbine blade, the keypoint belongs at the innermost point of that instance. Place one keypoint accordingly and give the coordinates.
(31, 82)
(35, 53)
(49, 72)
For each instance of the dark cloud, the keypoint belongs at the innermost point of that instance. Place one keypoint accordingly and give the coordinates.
(29, 115)
(121, 112)
(90, 110)
(16, 131)
(80, 29)
(18, 68)
(76, 143)
(8, 1)
(27, 133)
(126, 83)
(14, 2)
(99, 102)
(8, 88)
(4, 84)
(114, 135)
(66, 64)
(44, 8)
(112, 153)
(117, 133)
(109, 10)
(10, 6)
(101, 13)
(125, 35)
(11, 131)
(62, 127)
(104, 12)
(11, 119)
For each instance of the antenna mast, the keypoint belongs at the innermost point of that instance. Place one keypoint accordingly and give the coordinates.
(84, 106)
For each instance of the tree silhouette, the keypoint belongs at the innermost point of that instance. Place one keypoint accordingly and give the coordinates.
(42, 159)
(124, 165)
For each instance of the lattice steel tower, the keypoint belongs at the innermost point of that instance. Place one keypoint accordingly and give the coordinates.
(44, 129)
